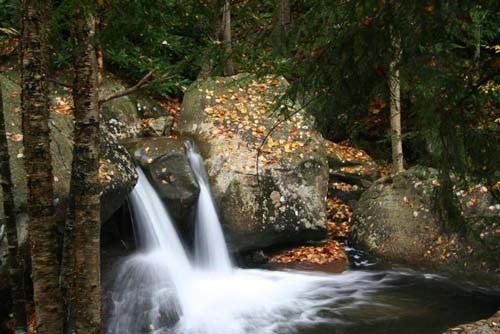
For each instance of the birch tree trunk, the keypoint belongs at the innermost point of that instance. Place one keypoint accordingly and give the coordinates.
(15, 259)
(85, 184)
(226, 36)
(395, 102)
(35, 112)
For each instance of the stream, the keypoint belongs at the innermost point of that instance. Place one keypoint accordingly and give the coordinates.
(163, 288)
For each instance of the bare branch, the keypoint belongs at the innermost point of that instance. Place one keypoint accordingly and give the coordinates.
(61, 83)
(140, 84)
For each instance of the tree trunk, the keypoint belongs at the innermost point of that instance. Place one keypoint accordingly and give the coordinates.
(395, 91)
(85, 177)
(42, 225)
(98, 49)
(226, 36)
(15, 259)
(284, 15)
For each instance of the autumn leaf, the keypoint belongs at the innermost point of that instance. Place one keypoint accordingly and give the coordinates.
(376, 105)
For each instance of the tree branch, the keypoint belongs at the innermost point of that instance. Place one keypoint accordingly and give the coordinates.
(140, 84)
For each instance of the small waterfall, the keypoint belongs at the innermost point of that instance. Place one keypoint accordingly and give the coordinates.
(158, 290)
(210, 247)
(152, 286)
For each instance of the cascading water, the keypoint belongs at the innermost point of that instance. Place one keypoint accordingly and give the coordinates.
(158, 290)
(210, 247)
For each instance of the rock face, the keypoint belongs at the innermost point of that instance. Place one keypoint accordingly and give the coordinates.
(117, 171)
(121, 114)
(229, 118)
(487, 326)
(395, 219)
(165, 162)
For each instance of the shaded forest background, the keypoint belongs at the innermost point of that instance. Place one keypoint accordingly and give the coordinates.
(374, 73)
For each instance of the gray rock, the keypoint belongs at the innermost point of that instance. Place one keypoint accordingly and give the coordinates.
(228, 118)
(486, 326)
(395, 219)
(166, 164)
(120, 114)
(117, 173)
(161, 126)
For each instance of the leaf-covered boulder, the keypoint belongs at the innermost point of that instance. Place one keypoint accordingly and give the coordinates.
(350, 165)
(273, 197)
(396, 219)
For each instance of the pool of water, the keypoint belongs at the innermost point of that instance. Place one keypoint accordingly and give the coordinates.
(367, 298)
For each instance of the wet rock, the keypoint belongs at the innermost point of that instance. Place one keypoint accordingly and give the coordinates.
(487, 326)
(229, 118)
(166, 164)
(161, 126)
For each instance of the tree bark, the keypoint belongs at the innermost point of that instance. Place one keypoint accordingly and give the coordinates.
(395, 102)
(15, 259)
(284, 14)
(98, 49)
(85, 177)
(226, 37)
(42, 225)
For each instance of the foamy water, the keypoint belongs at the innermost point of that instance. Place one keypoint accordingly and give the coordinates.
(160, 289)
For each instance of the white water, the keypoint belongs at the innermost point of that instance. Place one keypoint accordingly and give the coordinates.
(159, 289)
(210, 247)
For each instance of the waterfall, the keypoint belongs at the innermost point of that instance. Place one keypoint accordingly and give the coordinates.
(159, 290)
(210, 247)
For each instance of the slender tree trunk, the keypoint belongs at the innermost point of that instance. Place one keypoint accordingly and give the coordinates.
(42, 225)
(15, 259)
(226, 36)
(395, 91)
(85, 178)
(98, 49)
(284, 14)
(67, 281)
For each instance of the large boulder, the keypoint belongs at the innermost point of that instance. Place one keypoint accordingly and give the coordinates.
(275, 197)
(396, 219)
(117, 171)
(165, 162)
(121, 114)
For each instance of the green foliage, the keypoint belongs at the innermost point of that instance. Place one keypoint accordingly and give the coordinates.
(9, 14)
(163, 34)
(338, 58)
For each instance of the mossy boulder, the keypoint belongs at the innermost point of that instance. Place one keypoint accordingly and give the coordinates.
(396, 219)
(117, 171)
(270, 189)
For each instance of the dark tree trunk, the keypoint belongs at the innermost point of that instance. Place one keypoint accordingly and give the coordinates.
(284, 15)
(226, 36)
(85, 184)
(42, 225)
(15, 259)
